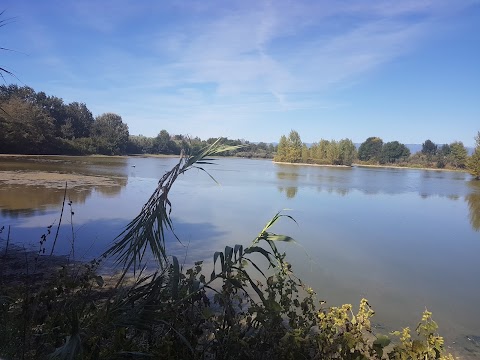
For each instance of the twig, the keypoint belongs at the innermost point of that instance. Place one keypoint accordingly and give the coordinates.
(60, 221)
(73, 232)
(26, 304)
(5, 254)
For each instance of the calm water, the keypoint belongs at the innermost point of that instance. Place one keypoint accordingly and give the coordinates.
(405, 239)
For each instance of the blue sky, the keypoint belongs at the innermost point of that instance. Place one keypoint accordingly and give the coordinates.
(401, 70)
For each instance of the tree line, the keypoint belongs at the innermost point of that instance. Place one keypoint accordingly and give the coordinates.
(164, 143)
(373, 151)
(36, 123)
(291, 149)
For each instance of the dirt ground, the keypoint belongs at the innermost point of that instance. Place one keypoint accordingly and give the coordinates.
(53, 180)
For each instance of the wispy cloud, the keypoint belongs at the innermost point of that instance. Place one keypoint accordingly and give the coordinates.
(209, 61)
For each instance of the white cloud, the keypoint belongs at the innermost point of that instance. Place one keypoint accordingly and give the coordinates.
(211, 62)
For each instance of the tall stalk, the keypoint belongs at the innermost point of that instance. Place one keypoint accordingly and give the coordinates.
(60, 221)
(147, 230)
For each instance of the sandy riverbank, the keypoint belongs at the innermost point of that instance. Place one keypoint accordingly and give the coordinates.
(54, 179)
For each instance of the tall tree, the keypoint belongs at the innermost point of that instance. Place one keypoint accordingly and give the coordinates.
(429, 148)
(443, 153)
(78, 122)
(110, 134)
(370, 149)
(458, 155)
(55, 107)
(25, 128)
(322, 149)
(305, 153)
(474, 160)
(348, 152)
(333, 153)
(163, 144)
(393, 152)
(294, 153)
(24, 93)
(282, 149)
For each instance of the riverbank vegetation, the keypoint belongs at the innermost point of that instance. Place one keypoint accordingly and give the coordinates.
(250, 305)
(373, 151)
(36, 123)
(291, 149)
(474, 160)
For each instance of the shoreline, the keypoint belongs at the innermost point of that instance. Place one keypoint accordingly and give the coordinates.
(91, 156)
(372, 166)
(307, 164)
(409, 168)
(239, 157)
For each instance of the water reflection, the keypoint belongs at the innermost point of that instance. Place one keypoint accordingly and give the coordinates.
(28, 201)
(374, 181)
(291, 178)
(112, 191)
(31, 186)
(473, 200)
(290, 191)
(474, 207)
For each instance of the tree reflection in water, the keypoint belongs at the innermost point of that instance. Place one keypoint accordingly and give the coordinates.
(291, 178)
(24, 200)
(473, 200)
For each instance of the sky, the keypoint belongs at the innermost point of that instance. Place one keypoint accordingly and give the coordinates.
(402, 70)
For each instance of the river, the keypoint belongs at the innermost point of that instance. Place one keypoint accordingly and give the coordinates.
(405, 239)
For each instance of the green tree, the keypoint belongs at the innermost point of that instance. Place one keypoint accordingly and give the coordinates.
(393, 152)
(78, 122)
(458, 155)
(474, 160)
(474, 164)
(429, 148)
(25, 128)
(348, 152)
(294, 152)
(140, 144)
(319, 151)
(442, 156)
(305, 153)
(110, 134)
(56, 108)
(370, 149)
(24, 93)
(282, 150)
(333, 153)
(163, 144)
(270, 149)
(444, 150)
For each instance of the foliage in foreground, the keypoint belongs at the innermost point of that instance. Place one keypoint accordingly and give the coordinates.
(251, 306)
